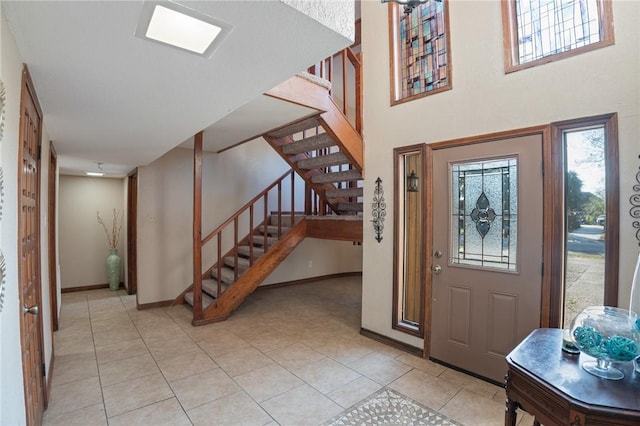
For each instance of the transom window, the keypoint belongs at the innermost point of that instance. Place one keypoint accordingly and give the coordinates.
(541, 31)
(420, 53)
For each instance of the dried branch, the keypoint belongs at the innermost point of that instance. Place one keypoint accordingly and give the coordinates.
(113, 237)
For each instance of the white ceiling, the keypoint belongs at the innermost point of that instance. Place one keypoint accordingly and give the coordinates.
(110, 97)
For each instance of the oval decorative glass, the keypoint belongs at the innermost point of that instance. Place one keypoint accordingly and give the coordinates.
(607, 334)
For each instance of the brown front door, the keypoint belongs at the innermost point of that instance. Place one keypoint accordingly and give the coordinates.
(487, 251)
(29, 253)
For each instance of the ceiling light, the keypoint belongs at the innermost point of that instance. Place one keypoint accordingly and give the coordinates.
(94, 174)
(175, 25)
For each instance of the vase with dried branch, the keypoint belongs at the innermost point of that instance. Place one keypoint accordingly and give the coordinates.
(113, 237)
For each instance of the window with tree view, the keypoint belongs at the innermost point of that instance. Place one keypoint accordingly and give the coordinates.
(420, 53)
(539, 31)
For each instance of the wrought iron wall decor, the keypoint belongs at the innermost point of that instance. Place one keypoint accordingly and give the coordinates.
(635, 205)
(378, 210)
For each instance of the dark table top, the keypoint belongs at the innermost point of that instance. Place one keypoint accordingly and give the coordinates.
(541, 355)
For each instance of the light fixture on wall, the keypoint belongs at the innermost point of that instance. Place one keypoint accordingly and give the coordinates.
(412, 181)
(408, 4)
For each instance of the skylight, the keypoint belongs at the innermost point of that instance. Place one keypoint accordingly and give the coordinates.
(180, 30)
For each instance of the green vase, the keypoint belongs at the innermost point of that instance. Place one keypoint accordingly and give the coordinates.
(113, 269)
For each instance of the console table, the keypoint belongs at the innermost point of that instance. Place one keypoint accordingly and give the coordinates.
(552, 386)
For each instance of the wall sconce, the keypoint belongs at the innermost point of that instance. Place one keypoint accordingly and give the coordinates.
(408, 4)
(412, 182)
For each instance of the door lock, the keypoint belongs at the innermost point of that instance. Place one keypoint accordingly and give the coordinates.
(436, 269)
(437, 254)
(33, 310)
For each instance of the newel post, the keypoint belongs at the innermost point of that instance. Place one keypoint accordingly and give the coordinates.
(197, 225)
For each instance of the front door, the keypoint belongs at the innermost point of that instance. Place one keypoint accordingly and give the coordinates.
(29, 253)
(487, 251)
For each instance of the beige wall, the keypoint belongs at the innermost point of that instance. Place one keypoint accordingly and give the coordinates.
(83, 243)
(485, 100)
(231, 179)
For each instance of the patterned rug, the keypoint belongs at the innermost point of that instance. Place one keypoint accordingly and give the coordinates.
(387, 407)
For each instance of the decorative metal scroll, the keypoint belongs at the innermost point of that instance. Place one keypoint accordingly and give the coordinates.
(635, 206)
(378, 210)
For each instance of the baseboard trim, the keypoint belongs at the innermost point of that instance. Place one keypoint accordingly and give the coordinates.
(160, 304)
(391, 342)
(49, 375)
(88, 287)
(309, 280)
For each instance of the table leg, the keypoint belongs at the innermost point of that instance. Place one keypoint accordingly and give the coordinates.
(510, 414)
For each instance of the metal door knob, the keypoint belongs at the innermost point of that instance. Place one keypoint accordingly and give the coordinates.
(33, 310)
(436, 269)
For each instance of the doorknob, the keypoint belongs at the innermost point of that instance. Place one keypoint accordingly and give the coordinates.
(436, 269)
(33, 310)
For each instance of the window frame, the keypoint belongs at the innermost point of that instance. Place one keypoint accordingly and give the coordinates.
(394, 37)
(510, 37)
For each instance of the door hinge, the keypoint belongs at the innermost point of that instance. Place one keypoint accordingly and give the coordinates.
(542, 168)
(39, 153)
(44, 373)
(542, 269)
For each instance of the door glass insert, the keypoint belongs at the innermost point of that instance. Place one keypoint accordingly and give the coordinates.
(484, 213)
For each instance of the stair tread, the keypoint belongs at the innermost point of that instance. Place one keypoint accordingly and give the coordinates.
(344, 192)
(350, 207)
(333, 159)
(210, 286)
(344, 176)
(273, 229)
(244, 251)
(311, 143)
(294, 128)
(227, 275)
(206, 299)
(258, 240)
(243, 263)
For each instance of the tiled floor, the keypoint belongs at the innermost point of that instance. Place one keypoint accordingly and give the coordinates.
(289, 356)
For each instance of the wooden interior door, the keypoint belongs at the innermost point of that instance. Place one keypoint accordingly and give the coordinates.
(132, 233)
(53, 258)
(487, 251)
(29, 253)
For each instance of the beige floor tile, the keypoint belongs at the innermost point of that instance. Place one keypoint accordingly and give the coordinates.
(167, 412)
(232, 410)
(301, 406)
(426, 389)
(69, 368)
(354, 392)
(186, 365)
(130, 368)
(93, 415)
(173, 347)
(318, 337)
(114, 336)
(136, 393)
(120, 350)
(524, 418)
(243, 361)
(163, 333)
(204, 387)
(107, 312)
(425, 365)
(471, 383)
(250, 329)
(75, 395)
(224, 342)
(267, 382)
(295, 356)
(74, 347)
(344, 351)
(380, 368)
(326, 375)
(472, 409)
(135, 314)
(273, 340)
(121, 321)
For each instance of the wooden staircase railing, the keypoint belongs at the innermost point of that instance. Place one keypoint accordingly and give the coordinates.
(243, 222)
(348, 60)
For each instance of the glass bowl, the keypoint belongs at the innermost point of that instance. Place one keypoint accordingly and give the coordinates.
(607, 334)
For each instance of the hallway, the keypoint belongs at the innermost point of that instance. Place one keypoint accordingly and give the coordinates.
(291, 356)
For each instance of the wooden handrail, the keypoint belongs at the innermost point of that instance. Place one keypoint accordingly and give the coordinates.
(245, 207)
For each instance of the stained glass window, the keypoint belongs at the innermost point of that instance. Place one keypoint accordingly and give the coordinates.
(541, 29)
(484, 213)
(420, 52)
